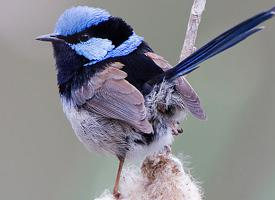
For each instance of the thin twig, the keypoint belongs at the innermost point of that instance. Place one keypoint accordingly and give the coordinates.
(192, 29)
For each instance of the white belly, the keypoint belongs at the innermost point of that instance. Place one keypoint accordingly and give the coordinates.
(104, 135)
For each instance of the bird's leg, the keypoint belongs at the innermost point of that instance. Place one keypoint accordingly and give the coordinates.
(115, 191)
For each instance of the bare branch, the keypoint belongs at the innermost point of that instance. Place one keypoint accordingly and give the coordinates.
(192, 28)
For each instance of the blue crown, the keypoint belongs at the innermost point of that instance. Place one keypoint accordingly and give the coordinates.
(77, 19)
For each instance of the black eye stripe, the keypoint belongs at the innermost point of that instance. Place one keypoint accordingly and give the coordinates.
(115, 29)
(74, 39)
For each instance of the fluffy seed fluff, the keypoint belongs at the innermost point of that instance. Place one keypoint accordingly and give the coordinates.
(161, 177)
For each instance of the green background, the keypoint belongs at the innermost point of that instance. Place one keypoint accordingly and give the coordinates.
(231, 154)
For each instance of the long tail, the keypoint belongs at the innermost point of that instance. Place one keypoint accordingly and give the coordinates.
(226, 40)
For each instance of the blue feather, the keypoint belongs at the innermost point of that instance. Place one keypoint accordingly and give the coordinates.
(124, 49)
(77, 19)
(94, 49)
(224, 47)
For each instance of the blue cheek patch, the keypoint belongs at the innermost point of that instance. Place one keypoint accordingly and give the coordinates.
(124, 49)
(94, 49)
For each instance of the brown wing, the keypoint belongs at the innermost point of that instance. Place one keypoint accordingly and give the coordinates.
(188, 94)
(110, 95)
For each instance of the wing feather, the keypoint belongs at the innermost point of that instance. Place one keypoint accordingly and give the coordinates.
(110, 95)
(188, 94)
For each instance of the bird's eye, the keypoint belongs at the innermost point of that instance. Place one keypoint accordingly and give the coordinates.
(84, 38)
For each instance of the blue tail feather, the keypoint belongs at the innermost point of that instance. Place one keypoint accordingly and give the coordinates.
(219, 44)
(238, 39)
(223, 48)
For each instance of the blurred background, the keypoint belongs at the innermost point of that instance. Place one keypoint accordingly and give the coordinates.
(231, 154)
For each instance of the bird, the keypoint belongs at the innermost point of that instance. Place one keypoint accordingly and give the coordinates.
(120, 97)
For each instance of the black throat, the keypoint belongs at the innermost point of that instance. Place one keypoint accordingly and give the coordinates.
(68, 62)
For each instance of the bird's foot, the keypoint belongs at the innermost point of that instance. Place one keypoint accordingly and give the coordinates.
(176, 130)
(117, 195)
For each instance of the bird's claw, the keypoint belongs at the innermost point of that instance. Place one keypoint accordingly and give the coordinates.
(176, 130)
(117, 195)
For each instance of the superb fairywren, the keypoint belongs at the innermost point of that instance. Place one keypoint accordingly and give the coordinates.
(119, 96)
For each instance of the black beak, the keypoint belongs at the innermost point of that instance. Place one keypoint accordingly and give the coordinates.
(49, 38)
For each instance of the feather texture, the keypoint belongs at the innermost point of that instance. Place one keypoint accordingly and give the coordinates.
(109, 94)
(77, 19)
(187, 93)
(94, 49)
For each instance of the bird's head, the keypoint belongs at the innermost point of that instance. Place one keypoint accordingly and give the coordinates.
(84, 36)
